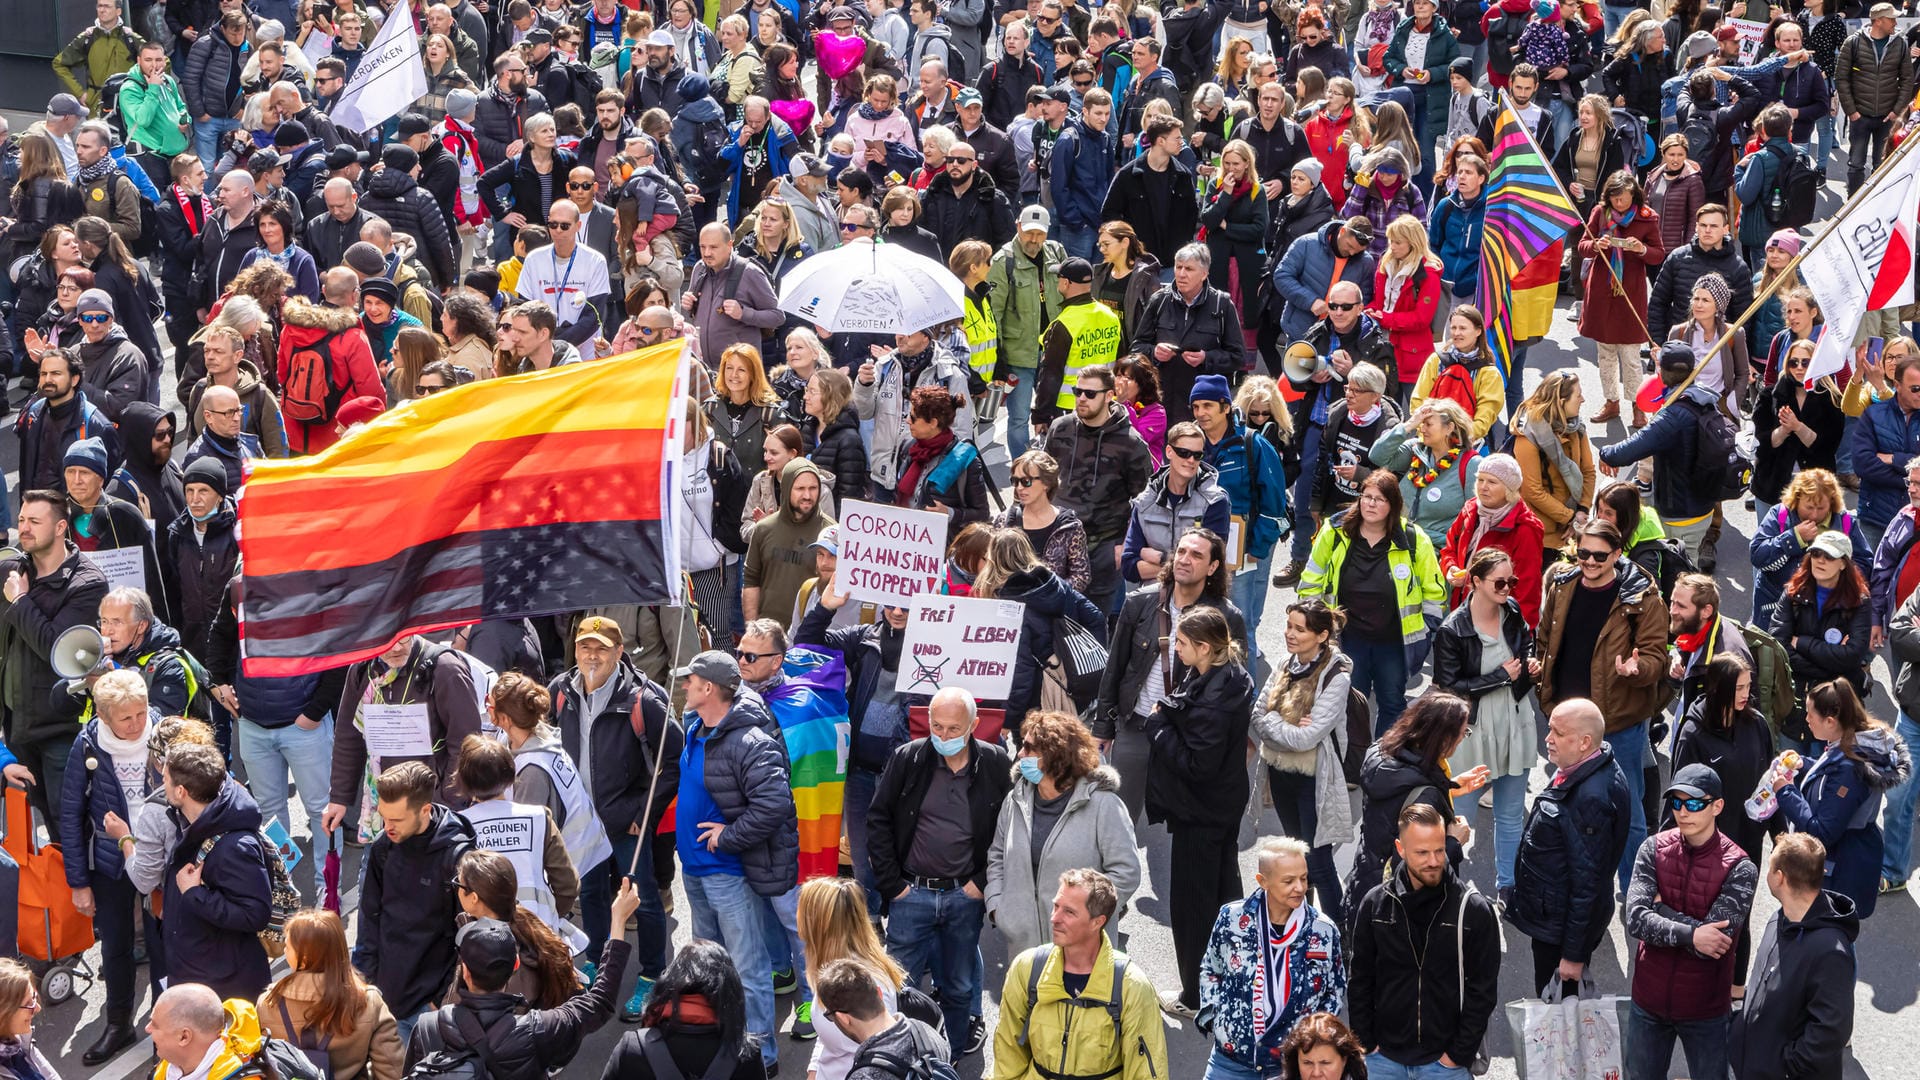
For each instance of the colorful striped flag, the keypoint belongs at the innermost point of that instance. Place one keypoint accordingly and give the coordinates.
(1528, 218)
(504, 498)
(811, 706)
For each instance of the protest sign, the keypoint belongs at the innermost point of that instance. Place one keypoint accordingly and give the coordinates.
(960, 641)
(125, 568)
(1752, 35)
(889, 554)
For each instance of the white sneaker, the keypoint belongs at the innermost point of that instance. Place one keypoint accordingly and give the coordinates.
(1171, 1005)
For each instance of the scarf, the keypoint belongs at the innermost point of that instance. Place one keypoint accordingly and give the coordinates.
(18, 1057)
(1272, 992)
(1294, 691)
(1556, 454)
(1397, 279)
(1694, 642)
(1240, 191)
(868, 112)
(1423, 474)
(1485, 519)
(193, 207)
(1366, 418)
(921, 455)
(96, 172)
(1616, 259)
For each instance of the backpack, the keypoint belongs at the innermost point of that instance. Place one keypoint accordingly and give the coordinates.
(311, 1045)
(283, 898)
(1675, 560)
(1635, 139)
(474, 1061)
(1703, 135)
(1772, 674)
(1721, 468)
(1503, 34)
(660, 1060)
(1796, 190)
(1455, 383)
(918, 1004)
(926, 1065)
(309, 394)
(586, 83)
(198, 681)
(278, 1059)
(701, 156)
(1037, 962)
(434, 302)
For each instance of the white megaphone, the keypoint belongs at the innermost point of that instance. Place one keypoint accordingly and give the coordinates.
(1301, 361)
(77, 652)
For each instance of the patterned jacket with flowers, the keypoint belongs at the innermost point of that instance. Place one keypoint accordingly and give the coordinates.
(1234, 1003)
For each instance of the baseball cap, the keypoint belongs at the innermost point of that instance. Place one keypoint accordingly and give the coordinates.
(804, 164)
(1077, 270)
(660, 38)
(1060, 94)
(1724, 32)
(1696, 781)
(969, 96)
(489, 951)
(601, 629)
(828, 541)
(265, 160)
(65, 105)
(342, 156)
(1833, 544)
(1677, 354)
(539, 35)
(714, 666)
(841, 14)
(1035, 217)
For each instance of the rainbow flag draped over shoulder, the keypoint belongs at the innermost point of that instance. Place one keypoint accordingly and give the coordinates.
(499, 499)
(811, 706)
(1527, 221)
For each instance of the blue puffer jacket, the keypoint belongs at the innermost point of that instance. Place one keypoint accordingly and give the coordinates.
(1233, 1014)
(1885, 428)
(1776, 551)
(211, 929)
(1454, 228)
(89, 793)
(1673, 442)
(1083, 165)
(1836, 799)
(1229, 458)
(1306, 273)
(746, 774)
(1569, 847)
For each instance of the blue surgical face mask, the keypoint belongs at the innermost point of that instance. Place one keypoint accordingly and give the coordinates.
(836, 162)
(208, 516)
(948, 747)
(1030, 769)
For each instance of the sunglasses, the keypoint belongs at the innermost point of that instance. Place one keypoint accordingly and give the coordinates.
(849, 226)
(1185, 454)
(1089, 392)
(560, 226)
(1261, 414)
(1341, 307)
(1501, 584)
(1797, 362)
(951, 160)
(752, 657)
(422, 389)
(96, 319)
(1025, 481)
(1082, 84)
(1690, 805)
(1913, 389)
(1590, 555)
(580, 186)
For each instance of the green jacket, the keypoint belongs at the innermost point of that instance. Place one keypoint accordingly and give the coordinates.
(1020, 306)
(104, 53)
(154, 114)
(1418, 587)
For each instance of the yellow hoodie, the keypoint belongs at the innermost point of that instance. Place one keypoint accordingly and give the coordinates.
(239, 1046)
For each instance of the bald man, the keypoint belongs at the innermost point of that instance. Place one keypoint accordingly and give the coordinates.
(188, 1026)
(332, 231)
(223, 436)
(570, 278)
(1574, 838)
(729, 299)
(596, 232)
(226, 238)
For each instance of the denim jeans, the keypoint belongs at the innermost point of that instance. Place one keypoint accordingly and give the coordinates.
(1630, 750)
(1898, 820)
(9, 913)
(940, 931)
(1561, 111)
(207, 136)
(1249, 590)
(1382, 1067)
(727, 910)
(1649, 1046)
(1829, 141)
(1509, 816)
(1611, 18)
(1843, 457)
(783, 938)
(1301, 542)
(858, 796)
(1516, 379)
(1079, 242)
(1222, 1067)
(1019, 409)
(405, 1024)
(1380, 669)
(270, 754)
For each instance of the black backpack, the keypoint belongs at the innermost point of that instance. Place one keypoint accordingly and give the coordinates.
(278, 1059)
(586, 84)
(701, 156)
(1721, 469)
(1703, 135)
(472, 1062)
(1795, 194)
(1675, 560)
(926, 1066)
(918, 1004)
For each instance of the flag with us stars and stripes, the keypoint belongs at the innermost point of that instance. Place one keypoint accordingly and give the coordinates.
(504, 498)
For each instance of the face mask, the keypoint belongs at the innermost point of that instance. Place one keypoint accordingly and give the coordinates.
(1030, 770)
(949, 747)
(208, 516)
(836, 162)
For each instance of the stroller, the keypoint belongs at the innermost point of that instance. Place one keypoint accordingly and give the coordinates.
(54, 937)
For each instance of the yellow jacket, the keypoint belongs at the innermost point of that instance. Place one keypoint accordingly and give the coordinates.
(1489, 394)
(238, 1047)
(1078, 1039)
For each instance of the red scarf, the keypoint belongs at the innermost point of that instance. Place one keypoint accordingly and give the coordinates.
(1694, 642)
(921, 454)
(193, 208)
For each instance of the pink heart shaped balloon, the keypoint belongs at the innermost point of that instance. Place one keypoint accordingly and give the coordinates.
(838, 55)
(797, 114)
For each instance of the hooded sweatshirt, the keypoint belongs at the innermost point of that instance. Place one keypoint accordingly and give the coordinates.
(779, 558)
(142, 473)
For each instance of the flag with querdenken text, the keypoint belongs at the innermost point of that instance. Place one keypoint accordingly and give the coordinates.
(390, 77)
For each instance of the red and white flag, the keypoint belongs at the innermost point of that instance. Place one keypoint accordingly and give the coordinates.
(1866, 263)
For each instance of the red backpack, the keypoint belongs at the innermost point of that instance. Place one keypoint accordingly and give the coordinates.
(308, 393)
(1455, 383)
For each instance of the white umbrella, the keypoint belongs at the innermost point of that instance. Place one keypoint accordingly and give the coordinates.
(868, 288)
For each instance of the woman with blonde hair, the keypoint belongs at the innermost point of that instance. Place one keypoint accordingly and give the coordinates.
(1233, 219)
(1236, 61)
(833, 925)
(1433, 453)
(1557, 477)
(971, 261)
(443, 77)
(1266, 414)
(323, 1004)
(1392, 128)
(776, 247)
(1811, 503)
(743, 406)
(20, 1059)
(1407, 294)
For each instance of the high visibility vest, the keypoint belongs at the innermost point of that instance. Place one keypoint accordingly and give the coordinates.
(518, 832)
(1096, 340)
(585, 836)
(983, 338)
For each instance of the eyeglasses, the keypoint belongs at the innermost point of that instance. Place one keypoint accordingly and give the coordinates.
(461, 885)
(1501, 584)
(1331, 306)
(752, 657)
(854, 226)
(1185, 454)
(96, 319)
(1025, 481)
(66, 286)
(422, 389)
(579, 185)
(1590, 555)
(560, 226)
(1690, 805)
(32, 1004)
(235, 411)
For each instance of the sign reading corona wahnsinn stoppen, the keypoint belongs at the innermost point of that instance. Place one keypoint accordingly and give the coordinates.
(889, 554)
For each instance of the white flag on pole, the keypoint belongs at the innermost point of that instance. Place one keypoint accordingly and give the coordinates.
(1866, 263)
(390, 77)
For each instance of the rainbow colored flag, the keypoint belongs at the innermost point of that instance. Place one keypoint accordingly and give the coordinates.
(811, 706)
(499, 499)
(1527, 221)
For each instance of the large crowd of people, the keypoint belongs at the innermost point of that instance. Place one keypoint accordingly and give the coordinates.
(1220, 262)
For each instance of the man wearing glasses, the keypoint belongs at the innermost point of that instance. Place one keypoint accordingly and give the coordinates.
(596, 232)
(1049, 30)
(223, 348)
(962, 203)
(1103, 464)
(569, 277)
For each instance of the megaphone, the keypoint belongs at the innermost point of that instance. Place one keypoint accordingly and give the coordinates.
(77, 652)
(1301, 361)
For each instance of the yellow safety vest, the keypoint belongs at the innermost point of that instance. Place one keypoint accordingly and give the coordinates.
(1096, 340)
(983, 338)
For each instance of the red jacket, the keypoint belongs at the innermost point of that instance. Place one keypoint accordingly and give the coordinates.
(1678, 984)
(351, 365)
(1323, 141)
(1409, 322)
(1520, 536)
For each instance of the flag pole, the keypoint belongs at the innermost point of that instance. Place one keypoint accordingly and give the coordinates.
(1760, 297)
